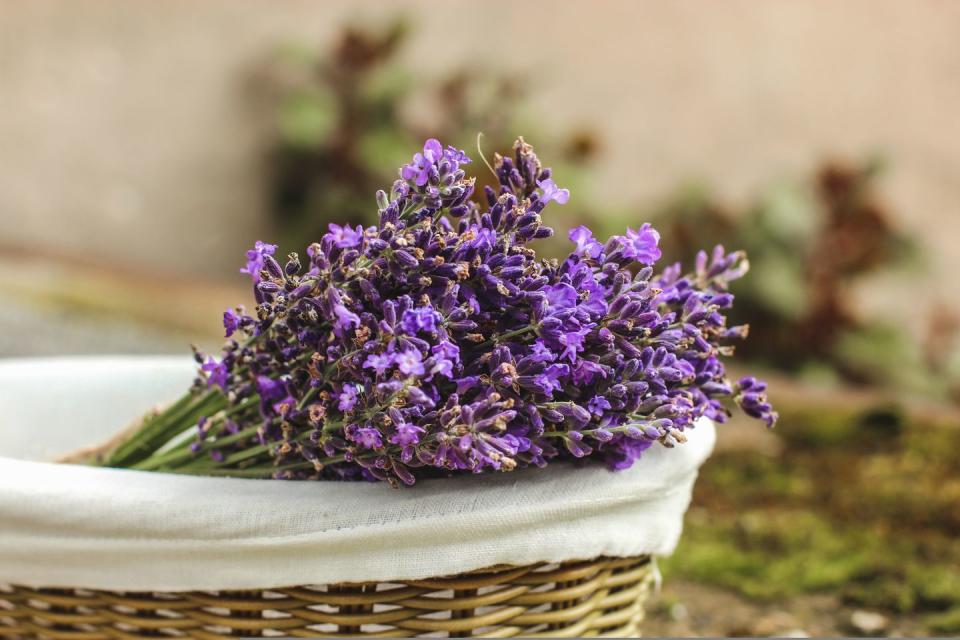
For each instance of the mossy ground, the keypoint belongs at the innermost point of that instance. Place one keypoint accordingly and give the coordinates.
(862, 502)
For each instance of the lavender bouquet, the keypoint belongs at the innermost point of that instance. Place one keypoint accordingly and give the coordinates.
(436, 342)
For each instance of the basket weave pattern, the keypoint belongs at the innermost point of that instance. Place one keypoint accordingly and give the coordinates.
(601, 597)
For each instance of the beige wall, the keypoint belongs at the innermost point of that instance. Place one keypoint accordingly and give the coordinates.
(126, 129)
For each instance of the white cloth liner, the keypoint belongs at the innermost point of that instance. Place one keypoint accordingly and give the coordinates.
(75, 526)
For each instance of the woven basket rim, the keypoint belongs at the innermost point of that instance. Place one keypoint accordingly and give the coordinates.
(600, 596)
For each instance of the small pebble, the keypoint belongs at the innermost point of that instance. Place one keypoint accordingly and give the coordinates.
(774, 623)
(679, 612)
(868, 622)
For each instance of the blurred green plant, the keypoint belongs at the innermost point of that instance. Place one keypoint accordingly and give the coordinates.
(344, 114)
(810, 246)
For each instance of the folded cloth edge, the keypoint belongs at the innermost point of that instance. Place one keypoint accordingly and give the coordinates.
(74, 526)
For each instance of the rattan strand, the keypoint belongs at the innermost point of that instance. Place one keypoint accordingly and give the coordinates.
(601, 597)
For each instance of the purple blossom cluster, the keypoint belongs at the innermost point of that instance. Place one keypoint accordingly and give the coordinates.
(437, 341)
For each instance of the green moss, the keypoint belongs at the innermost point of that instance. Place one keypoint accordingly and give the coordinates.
(839, 426)
(751, 477)
(860, 503)
(946, 622)
(818, 427)
(936, 587)
(768, 555)
(773, 554)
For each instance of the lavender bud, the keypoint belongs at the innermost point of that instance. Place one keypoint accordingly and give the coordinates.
(405, 259)
(273, 267)
(382, 200)
(292, 267)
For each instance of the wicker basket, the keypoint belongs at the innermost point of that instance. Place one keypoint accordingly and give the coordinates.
(602, 597)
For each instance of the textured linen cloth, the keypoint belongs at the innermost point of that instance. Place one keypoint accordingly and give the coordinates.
(75, 526)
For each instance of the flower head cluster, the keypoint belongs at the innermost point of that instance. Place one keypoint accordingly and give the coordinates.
(438, 342)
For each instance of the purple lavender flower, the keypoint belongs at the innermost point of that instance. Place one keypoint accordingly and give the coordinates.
(642, 244)
(457, 156)
(576, 445)
(346, 319)
(217, 373)
(587, 372)
(586, 243)
(752, 398)
(379, 362)
(446, 350)
(441, 367)
(446, 356)
(419, 169)
(231, 322)
(367, 437)
(347, 398)
(550, 191)
(344, 237)
(419, 319)
(255, 259)
(410, 362)
(540, 352)
(547, 381)
(561, 296)
(284, 406)
(407, 434)
(597, 405)
(269, 389)
(573, 341)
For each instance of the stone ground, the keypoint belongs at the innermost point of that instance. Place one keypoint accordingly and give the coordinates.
(687, 608)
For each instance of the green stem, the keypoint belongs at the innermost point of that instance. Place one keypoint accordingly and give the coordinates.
(308, 396)
(266, 471)
(509, 334)
(171, 458)
(165, 426)
(202, 465)
(152, 423)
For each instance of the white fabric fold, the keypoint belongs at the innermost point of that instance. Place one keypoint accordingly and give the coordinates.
(75, 526)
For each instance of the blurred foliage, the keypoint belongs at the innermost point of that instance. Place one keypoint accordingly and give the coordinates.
(810, 246)
(347, 117)
(861, 502)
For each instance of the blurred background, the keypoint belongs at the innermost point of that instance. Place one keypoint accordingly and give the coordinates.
(145, 146)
